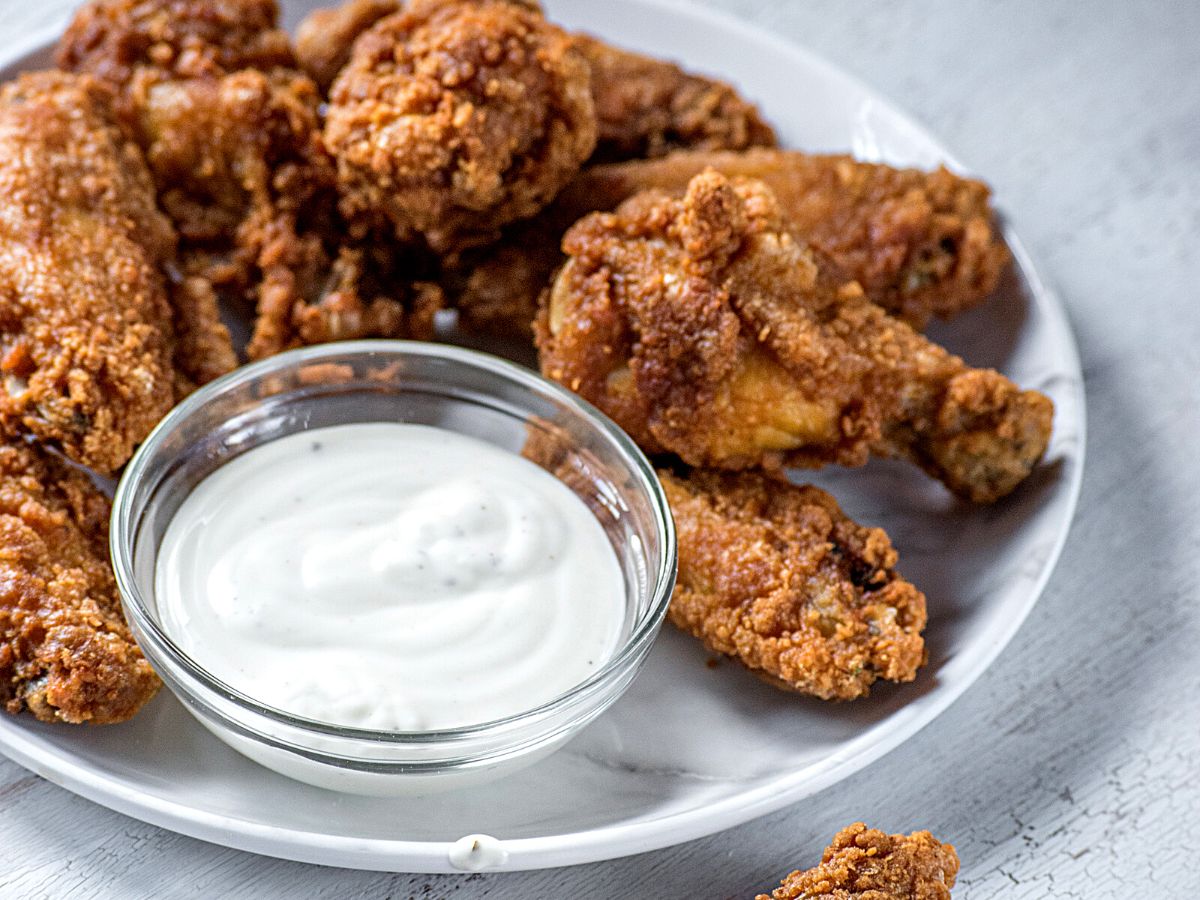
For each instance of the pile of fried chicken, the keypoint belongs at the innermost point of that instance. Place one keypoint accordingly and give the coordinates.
(737, 308)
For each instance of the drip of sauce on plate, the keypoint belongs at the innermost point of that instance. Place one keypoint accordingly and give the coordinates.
(477, 852)
(392, 577)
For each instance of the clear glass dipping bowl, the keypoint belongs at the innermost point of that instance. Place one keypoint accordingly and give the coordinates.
(394, 381)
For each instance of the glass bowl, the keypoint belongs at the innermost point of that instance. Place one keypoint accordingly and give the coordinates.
(394, 381)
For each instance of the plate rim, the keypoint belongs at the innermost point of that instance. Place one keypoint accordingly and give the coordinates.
(618, 839)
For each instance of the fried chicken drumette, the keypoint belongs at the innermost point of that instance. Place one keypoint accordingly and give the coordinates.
(920, 244)
(166, 59)
(86, 330)
(705, 329)
(647, 107)
(231, 132)
(238, 161)
(778, 577)
(66, 654)
(865, 864)
(773, 574)
(115, 39)
(243, 156)
(452, 119)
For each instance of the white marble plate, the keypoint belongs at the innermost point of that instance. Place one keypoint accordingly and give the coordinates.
(689, 750)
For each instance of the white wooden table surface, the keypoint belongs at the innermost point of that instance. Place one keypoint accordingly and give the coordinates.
(1072, 769)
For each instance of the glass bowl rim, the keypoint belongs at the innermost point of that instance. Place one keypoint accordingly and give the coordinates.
(629, 653)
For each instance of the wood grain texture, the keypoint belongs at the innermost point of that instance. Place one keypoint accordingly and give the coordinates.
(1067, 770)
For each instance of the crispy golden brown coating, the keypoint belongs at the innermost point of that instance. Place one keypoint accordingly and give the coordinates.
(245, 176)
(647, 107)
(114, 39)
(864, 864)
(224, 151)
(207, 140)
(453, 118)
(66, 654)
(778, 577)
(203, 346)
(233, 140)
(363, 294)
(325, 36)
(705, 329)
(921, 244)
(111, 39)
(86, 337)
(230, 153)
(241, 171)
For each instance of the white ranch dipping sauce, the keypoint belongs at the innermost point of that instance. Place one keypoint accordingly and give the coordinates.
(388, 576)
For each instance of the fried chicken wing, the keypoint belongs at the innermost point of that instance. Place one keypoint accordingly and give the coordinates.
(241, 156)
(114, 39)
(647, 107)
(229, 153)
(920, 244)
(454, 118)
(229, 128)
(778, 577)
(865, 864)
(234, 143)
(325, 36)
(86, 333)
(773, 574)
(705, 329)
(66, 654)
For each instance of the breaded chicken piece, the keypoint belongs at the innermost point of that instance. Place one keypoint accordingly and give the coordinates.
(920, 244)
(864, 864)
(66, 654)
(705, 329)
(647, 107)
(86, 334)
(213, 147)
(234, 144)
(325, 36)
(776, 576)
(233, 152)
(114, 39)
(452, 119)
(229, 129)
(245, 175)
